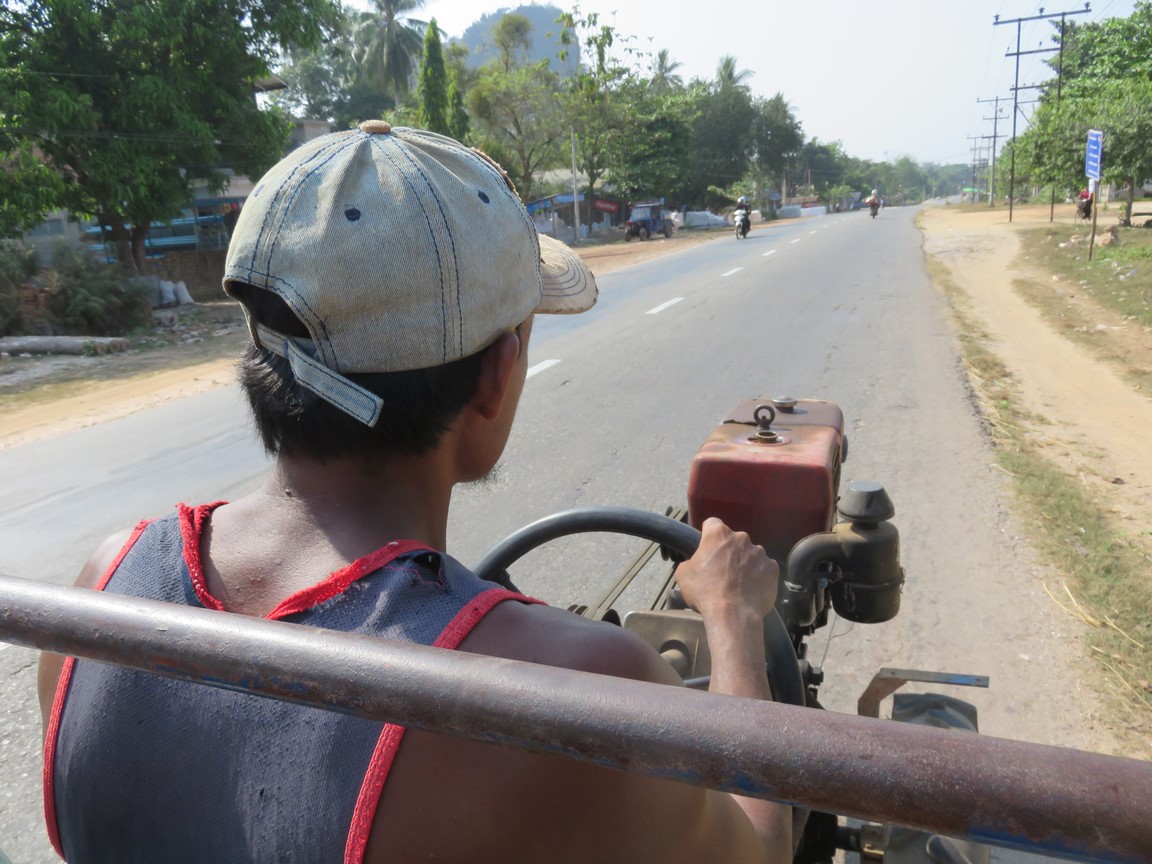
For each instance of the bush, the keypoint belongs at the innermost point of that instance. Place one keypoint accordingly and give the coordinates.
(18, 264)
(88, 298)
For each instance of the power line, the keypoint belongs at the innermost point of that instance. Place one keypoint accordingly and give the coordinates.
(1016, 84)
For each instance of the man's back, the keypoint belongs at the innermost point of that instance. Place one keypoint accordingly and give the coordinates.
(439, 798)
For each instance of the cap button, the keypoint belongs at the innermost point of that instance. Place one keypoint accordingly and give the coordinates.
(375, 127)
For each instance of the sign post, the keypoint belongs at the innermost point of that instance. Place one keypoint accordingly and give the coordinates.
(1093, 154)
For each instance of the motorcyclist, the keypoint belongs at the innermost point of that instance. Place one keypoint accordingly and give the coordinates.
(873, 201)
(743, 216)
(1084, 204)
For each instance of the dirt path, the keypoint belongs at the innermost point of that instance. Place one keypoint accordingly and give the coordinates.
(1090, 422)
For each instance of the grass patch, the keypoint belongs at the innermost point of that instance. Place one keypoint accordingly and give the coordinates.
(1107, 575)
(1118, 277)
(1116, 286)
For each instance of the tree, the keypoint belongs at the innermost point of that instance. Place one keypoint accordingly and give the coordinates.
(459, 124)
(1112, 49)
(433, 84)
(776, 137)
(655, 151)
(29, 189)
(721, 136)
(664, 75)
(519, 120)
(132, 104)
(594, 104)
(1106, 85)
(387, 49)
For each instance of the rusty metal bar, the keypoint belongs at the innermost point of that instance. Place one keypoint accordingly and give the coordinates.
(1065, 803)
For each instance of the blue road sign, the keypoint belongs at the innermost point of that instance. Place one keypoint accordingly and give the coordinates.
(1093, 154)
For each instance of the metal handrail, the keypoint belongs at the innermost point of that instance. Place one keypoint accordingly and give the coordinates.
(1061, 802)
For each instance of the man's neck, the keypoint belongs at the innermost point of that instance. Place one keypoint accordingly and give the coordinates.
(365, 500)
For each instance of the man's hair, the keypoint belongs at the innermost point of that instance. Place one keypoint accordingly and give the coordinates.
(419, 406)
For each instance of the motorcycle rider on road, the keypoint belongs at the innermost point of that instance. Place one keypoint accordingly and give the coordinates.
(742, 216)
(873, 201)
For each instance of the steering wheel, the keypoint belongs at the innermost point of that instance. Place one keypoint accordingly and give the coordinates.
(783, 667)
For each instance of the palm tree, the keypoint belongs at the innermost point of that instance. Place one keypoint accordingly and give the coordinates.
(726, 75)
(388, 49)
(663, 71)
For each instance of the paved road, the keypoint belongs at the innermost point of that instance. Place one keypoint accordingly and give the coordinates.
(618, 401)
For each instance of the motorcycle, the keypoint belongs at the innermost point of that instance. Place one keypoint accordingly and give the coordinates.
(874, 208)
(743, 223)
(1084, 208)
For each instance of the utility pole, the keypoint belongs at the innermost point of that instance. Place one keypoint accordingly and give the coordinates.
(995, 118)
(983, 163)
(576, 198)
(1016, 85)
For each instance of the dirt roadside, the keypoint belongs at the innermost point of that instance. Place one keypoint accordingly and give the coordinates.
(190, 351)
(1085, 417)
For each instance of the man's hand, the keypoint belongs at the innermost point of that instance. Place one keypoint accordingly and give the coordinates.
(728, 573)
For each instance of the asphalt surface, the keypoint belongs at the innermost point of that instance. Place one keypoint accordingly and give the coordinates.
(618, 401)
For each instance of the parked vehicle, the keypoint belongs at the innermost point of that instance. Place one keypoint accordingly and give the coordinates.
(648, 219)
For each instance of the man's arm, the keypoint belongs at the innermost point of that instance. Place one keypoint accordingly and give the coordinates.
(558, 810)
(51, 665)
(732, 584)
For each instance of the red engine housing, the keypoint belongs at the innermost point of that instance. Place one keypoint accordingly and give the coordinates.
(779, 492)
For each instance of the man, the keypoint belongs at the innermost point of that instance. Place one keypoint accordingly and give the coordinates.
(390, 277)
(1084, 204)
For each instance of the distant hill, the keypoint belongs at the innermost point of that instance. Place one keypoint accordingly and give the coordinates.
(545, 37)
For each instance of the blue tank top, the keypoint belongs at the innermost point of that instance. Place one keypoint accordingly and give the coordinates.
(140, 768)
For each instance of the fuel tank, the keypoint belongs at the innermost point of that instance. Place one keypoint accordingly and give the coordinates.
(772, 469)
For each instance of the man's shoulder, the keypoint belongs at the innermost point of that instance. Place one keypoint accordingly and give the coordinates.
(556, 637)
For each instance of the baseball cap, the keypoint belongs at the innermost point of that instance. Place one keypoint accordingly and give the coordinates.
(398, 249)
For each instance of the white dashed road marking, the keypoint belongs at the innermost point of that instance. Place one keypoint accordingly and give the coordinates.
(769, 252)
(541, 366)
(795, 241)
(733, 270)
(664, 306)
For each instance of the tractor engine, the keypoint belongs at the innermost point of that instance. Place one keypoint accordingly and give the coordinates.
(772, 469)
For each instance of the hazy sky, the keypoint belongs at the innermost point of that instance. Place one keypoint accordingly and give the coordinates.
(885, 77)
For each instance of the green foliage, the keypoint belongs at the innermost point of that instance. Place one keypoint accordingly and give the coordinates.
(1107, 85)
(88, 298)
(649, 160)
(604, 121)
(518, 120)
(386, 48)
(433, 83)
(1111, 49)
(459, 124)
(722, 137)
(134, 104)
(18, 264)
(29, 189)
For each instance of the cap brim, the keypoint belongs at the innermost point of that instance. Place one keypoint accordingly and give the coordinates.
(569, 285)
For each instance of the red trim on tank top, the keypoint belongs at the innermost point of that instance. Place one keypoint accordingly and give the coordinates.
(341, 579)
(390, 737)
(192, 522)
(52, 735)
